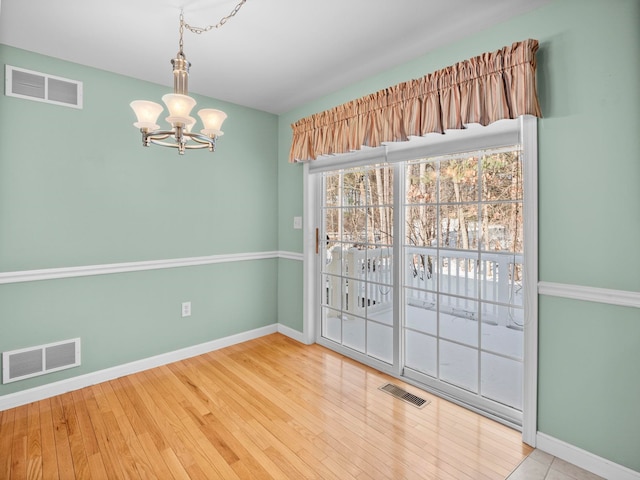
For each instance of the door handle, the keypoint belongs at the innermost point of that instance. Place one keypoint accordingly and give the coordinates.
(317, 240)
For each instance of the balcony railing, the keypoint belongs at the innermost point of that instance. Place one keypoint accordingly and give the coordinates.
(360, 281)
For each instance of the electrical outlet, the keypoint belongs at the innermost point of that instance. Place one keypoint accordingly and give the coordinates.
(297, 223)
(186, 309)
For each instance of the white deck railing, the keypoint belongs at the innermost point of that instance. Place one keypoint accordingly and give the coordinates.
(367, 279)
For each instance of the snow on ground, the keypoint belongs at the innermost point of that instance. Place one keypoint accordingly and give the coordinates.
(453, 358)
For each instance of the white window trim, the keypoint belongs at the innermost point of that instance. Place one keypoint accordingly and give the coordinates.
(523, 131)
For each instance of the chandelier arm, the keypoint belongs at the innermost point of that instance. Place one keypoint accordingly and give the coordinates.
(203, 141)
(188, 147)
(159, 134)
(222, 21)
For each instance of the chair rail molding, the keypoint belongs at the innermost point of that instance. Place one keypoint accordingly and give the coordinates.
(105, 269)
(623, 298)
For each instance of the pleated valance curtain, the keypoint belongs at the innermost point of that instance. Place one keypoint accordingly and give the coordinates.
(483, 89)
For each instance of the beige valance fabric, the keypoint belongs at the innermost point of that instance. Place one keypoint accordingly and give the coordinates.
(483, 89)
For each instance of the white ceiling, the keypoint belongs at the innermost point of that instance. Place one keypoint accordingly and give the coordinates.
(274, 55)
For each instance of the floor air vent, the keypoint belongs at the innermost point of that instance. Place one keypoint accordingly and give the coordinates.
(34, 361)
(42, 87)
(398, 392)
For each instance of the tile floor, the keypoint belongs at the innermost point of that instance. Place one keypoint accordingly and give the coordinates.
(542, 466)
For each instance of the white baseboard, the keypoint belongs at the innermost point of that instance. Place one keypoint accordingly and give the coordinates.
(291, 333)
(57, 388)
(583, 459)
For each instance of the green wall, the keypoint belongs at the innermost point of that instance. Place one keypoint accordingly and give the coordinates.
(76, 197)
(85, 192)
(589, 209)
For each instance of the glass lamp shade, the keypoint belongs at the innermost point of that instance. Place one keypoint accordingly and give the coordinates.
(147, 114)
(189, 124)
(179, 108)
(212, 120)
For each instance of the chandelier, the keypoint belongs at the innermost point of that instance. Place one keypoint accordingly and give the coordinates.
(179, 105)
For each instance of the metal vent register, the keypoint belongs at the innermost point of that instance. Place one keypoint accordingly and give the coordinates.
(42, 87)
(403, 395)
(34, 361)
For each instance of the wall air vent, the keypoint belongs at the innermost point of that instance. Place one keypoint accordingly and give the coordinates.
(42, 87)
(34, 361)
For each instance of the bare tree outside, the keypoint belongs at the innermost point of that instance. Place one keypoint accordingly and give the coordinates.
(466, 203)
(359, 209)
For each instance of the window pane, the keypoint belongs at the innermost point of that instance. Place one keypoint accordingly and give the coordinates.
(459, 180)
(354, 188)
(380, 341)
(354, 296)
(458, 274)
(380, 225)
(421, 225)
(380, 265)
(331, 291)
(421, 311)
(502, 176)
(380, 185)
(353, 333)
(502, 227)
(501, 380)
(459, 365)
(421, 183)
(458, 320)
(332, 258)
(354, 226)
(331, 325)
(501, 279)
(332, 193)
(459, 226)
(421, 269)
(421, 353)
(332, 220)
(499, 338)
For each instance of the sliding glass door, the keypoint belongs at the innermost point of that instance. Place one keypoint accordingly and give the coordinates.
(462, 289)
(420, 268)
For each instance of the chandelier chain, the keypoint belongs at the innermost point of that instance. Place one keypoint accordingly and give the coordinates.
(222, 21)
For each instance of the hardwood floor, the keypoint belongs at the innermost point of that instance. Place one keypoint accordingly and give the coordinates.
(268, 408)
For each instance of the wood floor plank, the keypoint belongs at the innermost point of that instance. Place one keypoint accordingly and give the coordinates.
(106, 447)
(47, 436)
(61, 437)
(96, 467)
(76, 441)
(84, 424)
(144, 466)
(34, 442)
(6, 440)
(123, 453)
(190, 444)
(19, 446)
(166, 408)
(174, 466)
(156, 460)
(264, 409)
